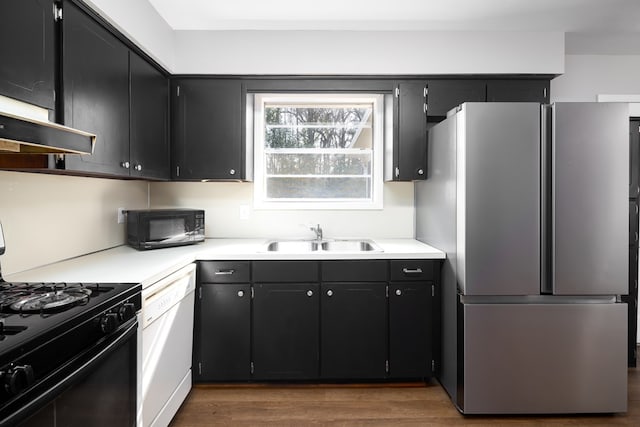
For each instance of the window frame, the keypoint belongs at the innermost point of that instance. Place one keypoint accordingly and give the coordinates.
(260, 201)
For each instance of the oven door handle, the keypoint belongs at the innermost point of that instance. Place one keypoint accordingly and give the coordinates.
(52, 392)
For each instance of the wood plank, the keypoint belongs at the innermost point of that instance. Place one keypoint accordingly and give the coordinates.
(397, 404)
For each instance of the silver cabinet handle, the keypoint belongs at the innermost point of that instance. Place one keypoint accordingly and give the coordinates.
(309, 293)
(636, 236)
(329, 293)
(138, 167)
(398, 292)
(240, 294)
(224, 272)
(232, 172)
(125, 165)
(420, 172)
(412, 271)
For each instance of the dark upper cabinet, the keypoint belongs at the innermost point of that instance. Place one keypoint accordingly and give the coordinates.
(443, 95)
(518, 90)
(28, 51)
(149, 138)
(634, 158)
(286, 319)
(409, 160)
(206, 117)
(95, 86)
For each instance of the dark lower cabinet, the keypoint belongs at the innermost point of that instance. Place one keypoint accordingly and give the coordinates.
(302, 320)
(223, 333)
(353, 337)
(285, 331)
(410, 330)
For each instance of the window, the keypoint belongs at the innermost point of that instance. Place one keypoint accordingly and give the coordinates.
(318, 151)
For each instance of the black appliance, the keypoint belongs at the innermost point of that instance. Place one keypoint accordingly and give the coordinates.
(68, 353)
(162, 228)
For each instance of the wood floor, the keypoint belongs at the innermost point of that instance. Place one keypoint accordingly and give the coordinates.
(360, 405)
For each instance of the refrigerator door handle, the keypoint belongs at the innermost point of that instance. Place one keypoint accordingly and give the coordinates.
(546, 199)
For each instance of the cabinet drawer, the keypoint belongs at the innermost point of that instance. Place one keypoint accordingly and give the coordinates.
(285, 271)
(224, 271)
(414, 269)
(354, 271)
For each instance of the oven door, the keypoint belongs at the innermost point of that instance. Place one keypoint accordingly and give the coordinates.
(97, 388)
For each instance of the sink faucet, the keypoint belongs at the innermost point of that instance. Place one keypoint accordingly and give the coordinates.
(318, 231)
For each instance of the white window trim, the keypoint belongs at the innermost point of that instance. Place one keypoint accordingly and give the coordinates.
(377, 180)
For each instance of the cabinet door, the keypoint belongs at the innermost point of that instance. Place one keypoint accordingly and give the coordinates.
(633, 222)
(353, 330)
(410, 330)
(27, 71)
(207, 129)
(149, 140)
(223, 333)
(285, 331)
(410, 132)
(518, 91)
(632, 301)
(95, 69)
(634, 158)
(443, 95)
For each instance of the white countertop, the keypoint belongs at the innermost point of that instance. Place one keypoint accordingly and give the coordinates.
(125, 264)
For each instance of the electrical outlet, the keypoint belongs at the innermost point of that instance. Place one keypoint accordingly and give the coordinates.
(121, 215)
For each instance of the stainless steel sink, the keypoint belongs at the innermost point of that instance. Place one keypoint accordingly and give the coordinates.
(294, 246)
(350, 246)
(306, 246)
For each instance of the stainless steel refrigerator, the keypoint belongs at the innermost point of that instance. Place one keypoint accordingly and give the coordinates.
(529, 202)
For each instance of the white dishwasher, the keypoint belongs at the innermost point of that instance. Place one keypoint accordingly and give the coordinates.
(167, 338)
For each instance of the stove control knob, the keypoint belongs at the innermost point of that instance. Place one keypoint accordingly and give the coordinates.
(126, 311)
(108, 323)
(18, 379)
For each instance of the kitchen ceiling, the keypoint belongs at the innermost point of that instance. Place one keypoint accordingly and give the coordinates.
(571, 16)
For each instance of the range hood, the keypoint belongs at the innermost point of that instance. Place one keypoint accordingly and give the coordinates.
(21, 135)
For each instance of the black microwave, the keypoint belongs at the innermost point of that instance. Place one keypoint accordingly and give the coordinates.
(163, 228)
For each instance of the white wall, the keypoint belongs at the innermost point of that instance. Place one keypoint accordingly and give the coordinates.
(366, 52)
(222, 202)
(586, 76)
(140, 21)
(48, 218)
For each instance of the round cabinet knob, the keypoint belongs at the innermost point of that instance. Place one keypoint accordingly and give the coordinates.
(138, 167)
(125, 165)
(398, 292)
(309, 293)
(420, 172)
(240, 294)
(329, 293)
(17, 379)
(108, 323)
(232, 172)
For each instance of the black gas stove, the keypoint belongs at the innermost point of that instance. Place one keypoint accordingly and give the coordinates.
(53, 336)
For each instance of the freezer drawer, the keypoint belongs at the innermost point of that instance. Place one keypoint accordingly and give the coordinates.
(544, 358)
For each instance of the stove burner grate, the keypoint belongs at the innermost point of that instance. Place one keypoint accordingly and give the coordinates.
(51, 300)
